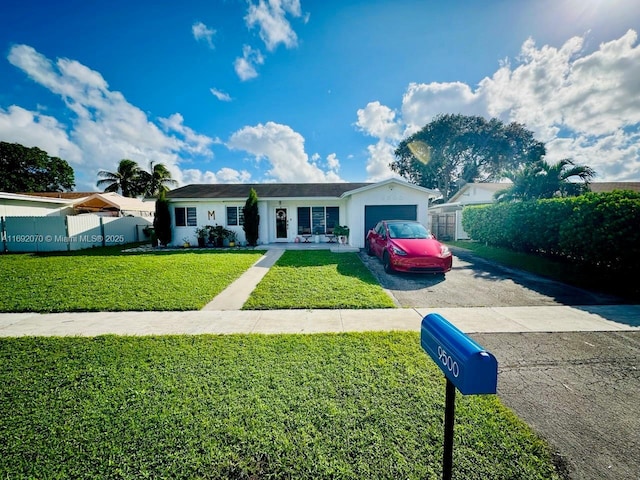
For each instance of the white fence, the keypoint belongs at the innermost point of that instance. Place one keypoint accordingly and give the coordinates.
(54, 234)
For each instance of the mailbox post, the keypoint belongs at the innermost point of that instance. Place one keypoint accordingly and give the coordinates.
(466, 366)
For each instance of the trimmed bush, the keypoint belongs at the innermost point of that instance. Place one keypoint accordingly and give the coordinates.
(594, 230)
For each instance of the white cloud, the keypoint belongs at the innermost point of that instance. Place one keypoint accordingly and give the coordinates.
(270, 17)
(379, 121)
(224, 175)
(202, 32)
(220, 95)
(283, 148)
(33, 129)
(106, 128)
(583, 105)
(332, 162)
(380, 156)
(245, 66)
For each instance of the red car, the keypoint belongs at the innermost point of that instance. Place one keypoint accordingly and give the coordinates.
(407, 246)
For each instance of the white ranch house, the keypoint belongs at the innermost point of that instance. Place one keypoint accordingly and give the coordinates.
(297, 212)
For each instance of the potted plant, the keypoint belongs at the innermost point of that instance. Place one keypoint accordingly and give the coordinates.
(185, 242)
(201, 235)
(233, 238)
(342, 232)
(317, 231)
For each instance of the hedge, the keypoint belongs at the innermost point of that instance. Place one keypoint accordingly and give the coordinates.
(594, 229)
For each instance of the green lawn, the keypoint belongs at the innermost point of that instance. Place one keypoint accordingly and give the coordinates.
(318, 279)
(107, 280)
(347, 406)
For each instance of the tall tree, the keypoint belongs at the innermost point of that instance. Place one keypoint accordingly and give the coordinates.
(156, 181)
(126, 179)
(453, 150)
(162, 220)
(24, 169)
(251, 218)
(543, 180)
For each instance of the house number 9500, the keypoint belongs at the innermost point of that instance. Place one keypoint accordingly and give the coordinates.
(449, 363)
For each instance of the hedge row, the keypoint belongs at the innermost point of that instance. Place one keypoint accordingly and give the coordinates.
(594, 229)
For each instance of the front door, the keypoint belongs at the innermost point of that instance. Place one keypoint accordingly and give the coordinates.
(281, 224)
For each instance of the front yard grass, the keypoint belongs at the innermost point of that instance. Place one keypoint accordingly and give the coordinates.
(318, 279)
(109, 280)
(348, 406)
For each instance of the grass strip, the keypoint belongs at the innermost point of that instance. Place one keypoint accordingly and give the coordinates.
(318, 279)
(348, 406)
(108, 280)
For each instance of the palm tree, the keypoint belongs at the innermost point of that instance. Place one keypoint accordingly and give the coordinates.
(542, 180)
(157, 181)
(126, 179)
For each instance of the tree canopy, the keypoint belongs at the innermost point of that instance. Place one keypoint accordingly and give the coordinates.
(133, 181)
(453, 150)
(542, 180)
(27, 169)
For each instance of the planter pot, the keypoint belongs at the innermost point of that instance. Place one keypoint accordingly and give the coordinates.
(201, 242)
(232, 244)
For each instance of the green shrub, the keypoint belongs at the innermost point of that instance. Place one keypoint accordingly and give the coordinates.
(595, 229)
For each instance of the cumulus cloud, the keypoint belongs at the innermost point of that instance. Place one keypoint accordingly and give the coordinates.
(380, 156)
(245, 66)
(224, 175)
(33, 129)
(203, 33)
(379, 121)
(105, 129)
(283, 149)
(583, 105)
(270, 17)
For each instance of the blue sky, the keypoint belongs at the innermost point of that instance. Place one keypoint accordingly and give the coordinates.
(227, 91)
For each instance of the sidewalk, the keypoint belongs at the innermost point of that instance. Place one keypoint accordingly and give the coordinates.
(469, 320)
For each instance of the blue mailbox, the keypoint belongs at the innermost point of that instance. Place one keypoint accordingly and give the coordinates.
(466, 364)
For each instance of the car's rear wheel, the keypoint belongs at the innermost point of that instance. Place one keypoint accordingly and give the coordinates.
(368, 248)
(386, 262)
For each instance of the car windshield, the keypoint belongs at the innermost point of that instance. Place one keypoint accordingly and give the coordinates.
(408, 230)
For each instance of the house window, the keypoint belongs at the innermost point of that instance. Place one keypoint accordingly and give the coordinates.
(317, 220)
(235, 216)
(332, 218)
(185, 216)
(304, 220)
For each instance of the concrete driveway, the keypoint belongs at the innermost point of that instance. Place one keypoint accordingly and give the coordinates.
(578, 390)
(475, 282)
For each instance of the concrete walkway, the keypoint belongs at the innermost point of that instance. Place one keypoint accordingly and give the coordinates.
(469, 320)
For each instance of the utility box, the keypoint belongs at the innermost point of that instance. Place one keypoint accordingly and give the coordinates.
(470, 368)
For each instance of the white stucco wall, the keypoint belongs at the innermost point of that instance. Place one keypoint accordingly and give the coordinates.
(386, 194)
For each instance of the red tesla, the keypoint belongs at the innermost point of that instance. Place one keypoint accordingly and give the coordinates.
(407, 246)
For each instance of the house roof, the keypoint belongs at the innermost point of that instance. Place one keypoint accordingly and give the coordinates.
(34, 198)
(264, 190)
(114, 201)
(62, 195)
(283, 190)
(599, 187)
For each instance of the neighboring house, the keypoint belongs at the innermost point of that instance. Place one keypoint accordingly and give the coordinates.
(73, 203)
(297, 212)
(115, 205)
(445, 220)
(20, 205)
(56, 221)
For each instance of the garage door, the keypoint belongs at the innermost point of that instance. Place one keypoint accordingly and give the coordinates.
(374, 213)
